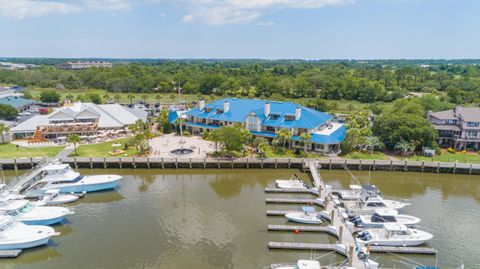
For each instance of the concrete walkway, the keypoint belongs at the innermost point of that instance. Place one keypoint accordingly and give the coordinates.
(162, 145)
(65, 152)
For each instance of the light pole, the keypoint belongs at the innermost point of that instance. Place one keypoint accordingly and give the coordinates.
(179, 88)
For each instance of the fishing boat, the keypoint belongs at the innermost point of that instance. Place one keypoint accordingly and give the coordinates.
(393, 234)
(63, 178)
(54, 197)
(16, 235)
(303, 264)
(356, 192)
(292, 183)
(382, 216)
(32, 214)
(369, 204)
(307, 216)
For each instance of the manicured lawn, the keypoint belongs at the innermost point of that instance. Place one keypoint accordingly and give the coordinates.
(468, 157)
(102, 149)
(366, 156)
(9, 151)
(280, 153)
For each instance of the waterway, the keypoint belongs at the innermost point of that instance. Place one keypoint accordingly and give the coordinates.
(216, 219)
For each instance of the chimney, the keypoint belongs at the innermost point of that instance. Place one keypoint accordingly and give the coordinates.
(267, 109)
(298, 113)
(226, 106)
(201, 104)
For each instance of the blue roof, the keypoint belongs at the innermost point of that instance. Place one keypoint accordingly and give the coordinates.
(241, 108)
(334, 138)
(172, 116)
(266, 134)
(16, 102)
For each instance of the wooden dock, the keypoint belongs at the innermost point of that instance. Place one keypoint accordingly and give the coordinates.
(278, 190)
(275, 200)
(339, 249)
(10, 253)
(300, 228)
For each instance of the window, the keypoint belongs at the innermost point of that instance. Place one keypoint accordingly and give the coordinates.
(252, 123)
(473, 124)
(289, 118)
(450, 122)
(274, 116)
(471, 134)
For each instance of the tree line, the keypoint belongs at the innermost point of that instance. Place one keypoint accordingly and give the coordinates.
(373, 81)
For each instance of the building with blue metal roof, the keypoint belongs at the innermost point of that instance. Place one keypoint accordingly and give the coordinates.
(17, 102)
(265, 118)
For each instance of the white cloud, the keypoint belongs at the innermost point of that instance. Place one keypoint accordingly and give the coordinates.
(266, 23)
(21, 9)
(218, 12)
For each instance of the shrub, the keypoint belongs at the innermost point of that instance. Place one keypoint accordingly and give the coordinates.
(464, 152)
(450, 150)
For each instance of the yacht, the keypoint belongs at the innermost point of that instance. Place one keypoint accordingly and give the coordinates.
(382, 216)
(393, 234)
(63, 178)
(307, 216)
(30, 213)
(356, 192)
(16, 235)
(292, 183)
(368, 204)
(303, 264)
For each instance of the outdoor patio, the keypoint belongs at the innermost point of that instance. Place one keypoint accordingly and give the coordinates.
(162, 145)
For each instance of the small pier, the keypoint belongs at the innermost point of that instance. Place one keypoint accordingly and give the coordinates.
(10, 253)
(299, 228)
(272, 200)
(299, 191)
(341, 250)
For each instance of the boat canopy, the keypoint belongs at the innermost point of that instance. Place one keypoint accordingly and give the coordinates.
(395, 227)
(4, 219)
(13, 205)
(386, 212)
(355, 187)
(56, 166)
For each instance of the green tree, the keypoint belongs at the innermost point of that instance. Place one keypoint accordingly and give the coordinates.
(158, 97)
(374, 143)
(232, 138)
(106, 97)
(94, 98)
(69, 97)
(8, 112)
(404, 147)
(284, 135)
(3, 131)
(117, 98)
(358, 131)
(164, 121)
(74, 138)
(49, 96)
(130, 97)
(145, 97)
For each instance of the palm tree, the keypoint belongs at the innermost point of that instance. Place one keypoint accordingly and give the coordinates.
(117, 98)
(145, 97)
(106, 97)
(305, 138)
(284, 135)
(374, 143)
(74, 138)
(263, 147)
(130, 97)
(404, 146)
(213, 136)
(69, 97)
(158, 97)
(3, 131)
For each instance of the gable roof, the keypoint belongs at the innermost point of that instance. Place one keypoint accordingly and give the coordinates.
(241, 108)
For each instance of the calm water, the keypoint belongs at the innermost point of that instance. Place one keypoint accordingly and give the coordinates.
(216, 219)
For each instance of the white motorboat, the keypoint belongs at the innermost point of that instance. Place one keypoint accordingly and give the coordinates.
(63, 178)
(382, 216)
(393, 234)
(307, 216)
(16, 235)
(54, 197)
(303, 264)
(30, 213)
(292, 183)
(369, 204)
(356, 192)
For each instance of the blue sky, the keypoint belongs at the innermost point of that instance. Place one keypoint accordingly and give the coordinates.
(268, 29)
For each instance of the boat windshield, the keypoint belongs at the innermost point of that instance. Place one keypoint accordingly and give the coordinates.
(379, 218)
(77, 179)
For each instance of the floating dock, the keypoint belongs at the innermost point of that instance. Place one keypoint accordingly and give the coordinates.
(299, 228)
(335, 247)
(10, 253)
(300, 191)
(274, 200)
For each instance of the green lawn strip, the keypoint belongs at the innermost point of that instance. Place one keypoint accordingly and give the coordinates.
(102, 149)
(9, 151)
(450, 157)
(366, 156)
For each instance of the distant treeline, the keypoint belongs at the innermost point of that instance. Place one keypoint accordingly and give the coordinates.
(456, 81)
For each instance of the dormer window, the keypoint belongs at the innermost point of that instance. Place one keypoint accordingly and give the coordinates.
(274, 116)
(208, 109)
(219, 111)
(289, 118)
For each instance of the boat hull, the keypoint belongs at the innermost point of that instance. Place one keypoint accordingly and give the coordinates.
(301, 218)
(89, 187)
(45, 222)
(25, 245)
(393, 243)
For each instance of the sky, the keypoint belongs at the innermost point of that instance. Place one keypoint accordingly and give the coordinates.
(241, 29)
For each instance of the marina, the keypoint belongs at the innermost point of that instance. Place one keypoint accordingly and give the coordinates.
(220, 190)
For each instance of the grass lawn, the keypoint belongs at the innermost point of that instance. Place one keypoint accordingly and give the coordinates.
(165, 97)
(102, 149)
(9, 151)
(366, 156)
(469, 157)
(280, 153)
